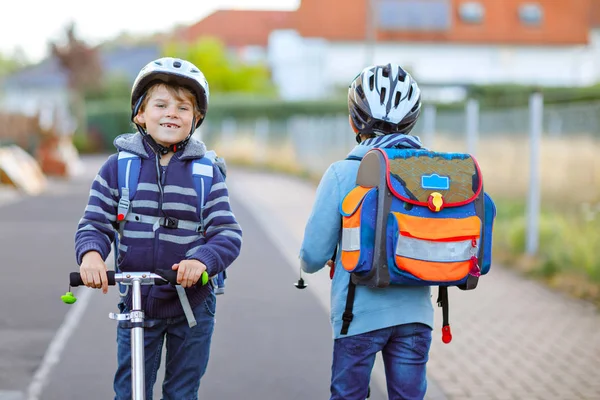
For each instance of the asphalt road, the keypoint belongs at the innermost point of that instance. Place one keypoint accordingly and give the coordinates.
(272, 341)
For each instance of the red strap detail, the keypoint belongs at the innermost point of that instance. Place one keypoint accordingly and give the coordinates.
(120, 217)
(331, 270)
(475, 270)
(446, 334)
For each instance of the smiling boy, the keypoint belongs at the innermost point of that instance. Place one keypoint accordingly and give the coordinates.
(169, 101)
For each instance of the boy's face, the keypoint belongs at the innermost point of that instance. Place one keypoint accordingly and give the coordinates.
(166, 117)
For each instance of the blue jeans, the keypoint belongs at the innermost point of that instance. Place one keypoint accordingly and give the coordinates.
(405, 351)
(188, 350)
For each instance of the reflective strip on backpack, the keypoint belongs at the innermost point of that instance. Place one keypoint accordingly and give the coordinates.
(426, 250)
(130, 157)
(351, 239)
(203, 169)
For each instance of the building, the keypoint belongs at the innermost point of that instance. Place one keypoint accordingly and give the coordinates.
(446, 44)
(317, 49)
(43, 87)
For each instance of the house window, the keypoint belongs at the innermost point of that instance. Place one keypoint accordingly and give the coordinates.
(471, 12)
(419, 15)
(531, 13)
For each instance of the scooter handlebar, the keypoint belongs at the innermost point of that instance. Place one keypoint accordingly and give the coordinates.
(161, 277)
(75, 279)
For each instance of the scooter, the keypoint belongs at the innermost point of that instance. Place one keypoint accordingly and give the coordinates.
(135, 316)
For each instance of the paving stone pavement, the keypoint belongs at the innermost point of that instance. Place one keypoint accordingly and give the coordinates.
(513, 338)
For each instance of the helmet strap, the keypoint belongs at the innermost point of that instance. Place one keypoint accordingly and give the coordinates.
(159, 148)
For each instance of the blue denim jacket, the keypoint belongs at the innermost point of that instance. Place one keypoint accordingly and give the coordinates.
(374, 308)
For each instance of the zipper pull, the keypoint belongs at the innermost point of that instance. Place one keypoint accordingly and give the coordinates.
(163, 175)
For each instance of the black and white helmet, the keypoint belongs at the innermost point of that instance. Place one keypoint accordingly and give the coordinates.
(171, 70)
(384, 99)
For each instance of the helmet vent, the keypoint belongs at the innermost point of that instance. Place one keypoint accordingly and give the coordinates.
(359, 91)
(397, 99)
(177, 64)
(410, 92)
(382, 95)
(372, 82)
(386, 72)
(194, 71)
(158, 63)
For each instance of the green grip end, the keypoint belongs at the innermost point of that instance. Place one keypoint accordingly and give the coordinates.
(68, 298)
(204, 278)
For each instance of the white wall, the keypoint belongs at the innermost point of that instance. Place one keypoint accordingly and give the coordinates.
(298, 65)
(327, 64)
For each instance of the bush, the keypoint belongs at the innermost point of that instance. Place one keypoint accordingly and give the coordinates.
(107, 119)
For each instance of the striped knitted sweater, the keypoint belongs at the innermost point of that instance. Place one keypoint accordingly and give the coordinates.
(167, 191)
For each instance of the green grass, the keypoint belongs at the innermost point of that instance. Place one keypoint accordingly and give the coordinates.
(567, 253)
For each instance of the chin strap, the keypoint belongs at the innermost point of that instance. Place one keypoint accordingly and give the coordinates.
(159, 148)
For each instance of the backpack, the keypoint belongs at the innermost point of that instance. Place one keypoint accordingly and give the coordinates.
(416, 217)
(129, 166)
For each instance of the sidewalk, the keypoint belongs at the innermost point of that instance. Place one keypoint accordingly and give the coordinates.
(8, 194)
(513, 338)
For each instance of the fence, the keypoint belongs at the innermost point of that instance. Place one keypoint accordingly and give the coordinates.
(569, 143)
(562, 169)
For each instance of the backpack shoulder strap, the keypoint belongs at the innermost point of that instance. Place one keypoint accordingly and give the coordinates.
(202, 172)
(347, 316)
(128, 173)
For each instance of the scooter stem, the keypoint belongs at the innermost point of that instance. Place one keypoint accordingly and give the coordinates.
(138, 385)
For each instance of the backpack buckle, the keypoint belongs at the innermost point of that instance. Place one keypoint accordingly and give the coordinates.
(347, 317)
(124, 205)
(170, 223)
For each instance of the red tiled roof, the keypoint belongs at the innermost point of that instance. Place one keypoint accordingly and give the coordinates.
(595, 13)
(564, 22)
(237, 28)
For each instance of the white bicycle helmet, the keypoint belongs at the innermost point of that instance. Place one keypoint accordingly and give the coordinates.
(384, 99)
(171, 70)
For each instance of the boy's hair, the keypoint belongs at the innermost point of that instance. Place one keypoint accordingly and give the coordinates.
(383, 99)
(179, 92)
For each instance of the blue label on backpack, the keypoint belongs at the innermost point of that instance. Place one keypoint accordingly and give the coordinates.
(435, 182)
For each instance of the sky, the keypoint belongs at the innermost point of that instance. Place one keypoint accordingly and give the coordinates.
(30, 25)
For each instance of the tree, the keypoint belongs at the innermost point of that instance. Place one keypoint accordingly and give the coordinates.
(82, 64)
(12, 63)
(224, 72)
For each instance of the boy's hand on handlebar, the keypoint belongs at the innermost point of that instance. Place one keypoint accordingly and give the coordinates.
(188, 272)
(93, 271)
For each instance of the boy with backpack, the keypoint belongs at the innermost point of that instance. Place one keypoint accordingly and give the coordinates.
(396, 222)
(146, 197)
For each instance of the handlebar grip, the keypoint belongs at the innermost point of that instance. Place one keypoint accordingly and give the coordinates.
(75, 278)
(171, 276)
